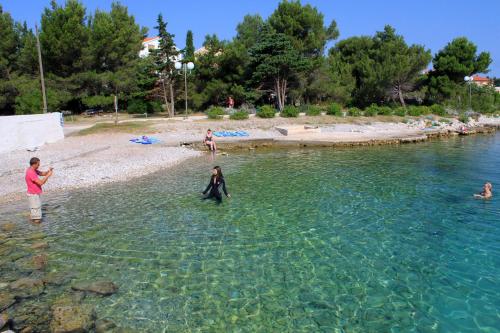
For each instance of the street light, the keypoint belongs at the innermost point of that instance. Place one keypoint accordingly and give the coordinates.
(185, 67)
(469, 80)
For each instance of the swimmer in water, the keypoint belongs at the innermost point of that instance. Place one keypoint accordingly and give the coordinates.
(216, 181)
(487, 192)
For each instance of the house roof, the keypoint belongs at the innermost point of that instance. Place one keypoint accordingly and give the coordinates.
(477, 78)
(149, 39)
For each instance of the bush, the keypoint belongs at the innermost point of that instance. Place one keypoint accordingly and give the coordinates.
(438, 110)
(215, 112)
(137, 106)
(313, 110)
(266, 111)
(354, 112)
(290, 112)
(464, 118)
(334, 110)
(372, 110)
(239, 115)
(400, 111)
(385, 111)
(154, 107)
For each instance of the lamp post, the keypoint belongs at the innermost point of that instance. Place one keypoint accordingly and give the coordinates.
(185, 66)
(469, 80)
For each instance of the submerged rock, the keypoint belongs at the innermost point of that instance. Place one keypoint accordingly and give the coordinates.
(40, 261)
(7, 227)
(72, 319)
(40, 246)
(6, 301)
(104, 288)
(4, 319)
(26, 287)
(105, 326)
(57, 278)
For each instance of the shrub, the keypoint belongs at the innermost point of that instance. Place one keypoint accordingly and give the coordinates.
(334, 110)
(266, 111)
(290, 112)
(464, 118)
(354, 112)
(137, 106)
(438, 110)
(215, 112)
(239, 115)
(313, 110)
(414, 111)
(372, 110)
(385, 111)
(400, 111)
(155, 107)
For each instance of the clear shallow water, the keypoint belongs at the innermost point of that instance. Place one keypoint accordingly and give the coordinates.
(378, 239)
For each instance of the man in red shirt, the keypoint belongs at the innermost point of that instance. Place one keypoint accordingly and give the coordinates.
(34, 185)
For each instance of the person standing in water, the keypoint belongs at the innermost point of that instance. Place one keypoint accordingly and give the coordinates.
(216, 181)
(34, 188)
(487, 192)
(209, 141)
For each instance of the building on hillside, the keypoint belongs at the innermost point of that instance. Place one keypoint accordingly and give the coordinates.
(149, 44)
(153, 43)
(482, 81)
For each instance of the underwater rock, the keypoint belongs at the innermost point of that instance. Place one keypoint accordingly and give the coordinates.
(104, 288)
(40, 246)
(4, 319)
(27, 329)
(57, 278)
(40, 261)
(26, 287)
(36, 236)
(72, 319)
(34, 316)
(6, 301)
(105, 326)
(7, 227)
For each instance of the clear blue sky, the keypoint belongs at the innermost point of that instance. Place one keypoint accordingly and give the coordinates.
(430, 22)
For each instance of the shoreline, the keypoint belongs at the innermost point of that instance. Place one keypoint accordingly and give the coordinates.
(97, 159)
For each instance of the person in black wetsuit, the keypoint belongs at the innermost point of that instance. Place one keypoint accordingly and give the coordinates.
(216, 181)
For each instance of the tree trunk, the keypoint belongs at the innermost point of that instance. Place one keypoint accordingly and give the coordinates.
(172, 100)
(400, 95)
(165, 98)
(278, 93)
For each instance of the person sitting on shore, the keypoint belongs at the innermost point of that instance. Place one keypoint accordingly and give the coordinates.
(216, 181)
(209, 141)
(487, 192)
(34, 185)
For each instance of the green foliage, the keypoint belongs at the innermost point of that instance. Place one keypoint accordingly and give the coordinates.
(239, 115)
(98, 101)
(304, 25)
(354, 112)
(400, 111)
(385, 68)
(215, 112)
(248, 30)
(155, 107)
(372, 110)
(334, 109)
(438, 110)
(266, 111)
(313, 110)
(385, 111)
(274, 61)
(416, 111)
(29, 98)
(464, 118)
(189, 49)
(137, 106)
(290, 111)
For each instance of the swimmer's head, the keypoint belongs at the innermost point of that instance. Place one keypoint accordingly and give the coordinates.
(209, 131)
(217, 171)
(488, 185)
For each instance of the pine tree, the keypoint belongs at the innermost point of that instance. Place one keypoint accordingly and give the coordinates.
(189, 49)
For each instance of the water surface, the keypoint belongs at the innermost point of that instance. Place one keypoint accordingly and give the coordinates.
(376, 239)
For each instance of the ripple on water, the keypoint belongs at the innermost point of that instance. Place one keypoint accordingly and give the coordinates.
(379, 239)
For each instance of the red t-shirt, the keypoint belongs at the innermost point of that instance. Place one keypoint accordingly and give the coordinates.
(31, 176)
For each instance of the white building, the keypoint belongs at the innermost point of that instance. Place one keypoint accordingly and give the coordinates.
(153, 43)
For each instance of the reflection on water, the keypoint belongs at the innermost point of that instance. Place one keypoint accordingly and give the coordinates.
(379, 239)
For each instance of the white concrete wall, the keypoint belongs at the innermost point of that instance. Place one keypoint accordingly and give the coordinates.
(29, 131)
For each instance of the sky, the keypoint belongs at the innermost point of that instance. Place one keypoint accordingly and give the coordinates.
(432, 23)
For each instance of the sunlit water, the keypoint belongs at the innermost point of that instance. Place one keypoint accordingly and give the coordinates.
(378, 239)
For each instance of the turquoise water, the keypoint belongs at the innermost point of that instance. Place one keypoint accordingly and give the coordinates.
(377, 239)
